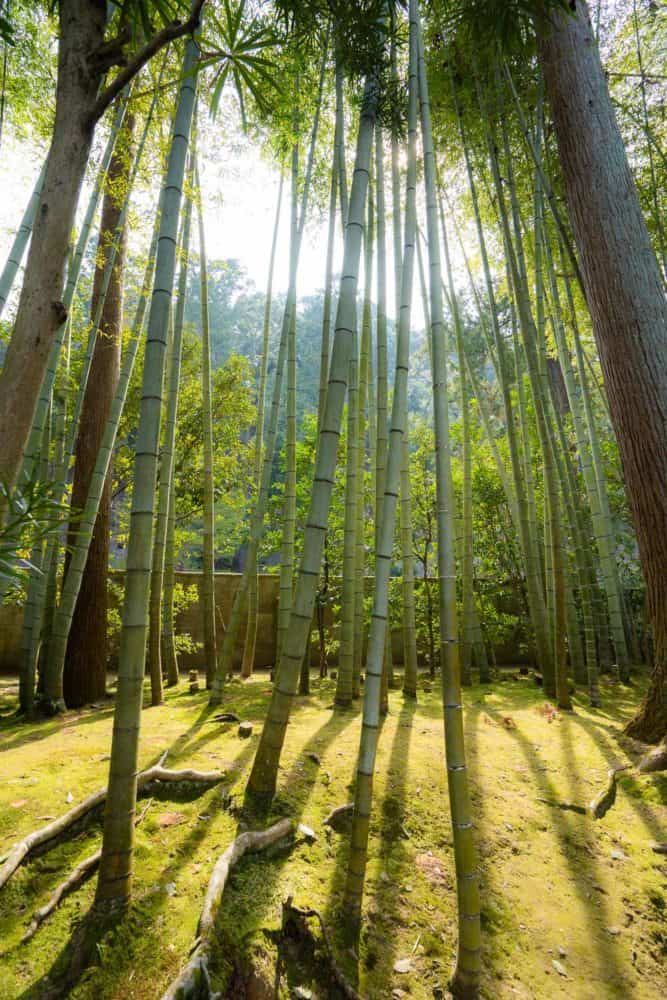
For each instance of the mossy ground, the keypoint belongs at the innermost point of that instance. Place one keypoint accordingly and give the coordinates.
(551, 888)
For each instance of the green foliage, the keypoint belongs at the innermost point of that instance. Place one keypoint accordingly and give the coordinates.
(504, 24)
(34, 512)
(242, 53)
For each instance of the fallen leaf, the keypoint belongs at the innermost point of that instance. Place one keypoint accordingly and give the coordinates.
(560, 969)
(170, 819)
(433, 869)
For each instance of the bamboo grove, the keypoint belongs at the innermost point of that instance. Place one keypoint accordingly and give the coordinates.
(477, 418)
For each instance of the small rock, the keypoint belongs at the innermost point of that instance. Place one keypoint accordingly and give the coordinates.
(561, 952)
(560, 969)
(515, 848)
(302, 993)
(403, 965)
(245, 730)
(307, 833)
(69, 797)
(614, 931)
(170, 888)
(618, 855)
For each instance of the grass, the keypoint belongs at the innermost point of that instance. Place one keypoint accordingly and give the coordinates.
(551, 888)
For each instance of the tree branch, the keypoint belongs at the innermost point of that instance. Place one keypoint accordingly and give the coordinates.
(168, 34)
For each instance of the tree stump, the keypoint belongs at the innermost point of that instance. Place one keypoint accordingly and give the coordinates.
(193, 678)
(245, 730)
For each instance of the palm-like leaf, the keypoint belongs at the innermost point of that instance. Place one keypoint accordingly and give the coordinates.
(238, 48)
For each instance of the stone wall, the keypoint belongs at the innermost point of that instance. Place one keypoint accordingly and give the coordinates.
(188, 622)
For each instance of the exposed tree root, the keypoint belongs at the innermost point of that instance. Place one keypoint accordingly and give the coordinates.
(298, 917)
(654, 760)
(565, 806)
(340, 818)
(193, 983)
(77, 877)
(51, 833)
(603, 802)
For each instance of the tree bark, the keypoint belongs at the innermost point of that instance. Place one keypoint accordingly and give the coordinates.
(626, 302)
(84, 678)
(40, 310)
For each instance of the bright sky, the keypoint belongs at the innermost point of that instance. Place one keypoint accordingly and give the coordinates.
(240, 191)
(240, 194)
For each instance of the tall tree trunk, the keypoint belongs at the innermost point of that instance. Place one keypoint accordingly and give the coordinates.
(626, 301)
(84, 677)
(62, 622)
(40, 310)
(114, 882)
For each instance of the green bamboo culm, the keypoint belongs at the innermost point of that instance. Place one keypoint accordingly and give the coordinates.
(248, 660)
(115, 874)
(289, 495)
(468, 962)
(208, 560)
(225, 659)
(524, 517)
(20, 242)
(262, 783)
(34, 599)
(169, 654)
(356, 871)
(344, 681)
(157, 642)
(382, 406)
(588, 446)
(86, 521)
(364, 367)
(61, 618)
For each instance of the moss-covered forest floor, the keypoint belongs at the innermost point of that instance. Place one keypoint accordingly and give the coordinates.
(557, 886)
